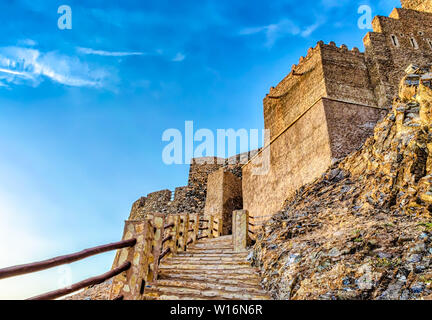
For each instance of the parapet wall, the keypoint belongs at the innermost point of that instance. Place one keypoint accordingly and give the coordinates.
(326, 71)
(346, 75)
(421, 5)
(402, 39)
(190, 198)
(303, 86)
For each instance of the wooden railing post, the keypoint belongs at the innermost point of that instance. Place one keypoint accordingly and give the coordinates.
(131, 282)
(186, 231)
(182, 229)
(158, 228)
(176, 232)
(196, 227)
(218, 227)
(210, 227)
(172, 231)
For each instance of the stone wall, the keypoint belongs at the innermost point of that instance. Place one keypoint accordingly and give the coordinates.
(329, 130)
(303, 86)
(346, 75)
(224, 195)
(297, 157)
(421, 5)
(190, 198)
(329, 103)
(349, 125)
(154, 202)
(390, 49)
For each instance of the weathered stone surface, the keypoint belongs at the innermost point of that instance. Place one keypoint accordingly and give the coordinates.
(329, 103)
(224, 195)
(363, 230)
(240, 222)
(420, 5)
(202, 272)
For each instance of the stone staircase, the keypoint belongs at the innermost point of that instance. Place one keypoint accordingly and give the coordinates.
(209, 269)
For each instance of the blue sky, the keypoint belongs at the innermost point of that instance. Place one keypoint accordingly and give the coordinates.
(82, 111)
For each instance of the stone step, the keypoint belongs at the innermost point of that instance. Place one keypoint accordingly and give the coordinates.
(198, 267)
(210, 285)
(217, 239)
(212, 255)
(206, 293)
(230, 279)
(209, 269)
(204, 261)
(212, 250)
(210, 247)
(222, 273)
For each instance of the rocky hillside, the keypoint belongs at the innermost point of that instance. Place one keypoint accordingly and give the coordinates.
(363, 230)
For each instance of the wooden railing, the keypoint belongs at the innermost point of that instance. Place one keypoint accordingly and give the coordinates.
(145, 244)
(255, 223)
(159, 237)
(50, 263)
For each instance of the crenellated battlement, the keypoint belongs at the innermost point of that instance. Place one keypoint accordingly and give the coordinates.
(331, 99)
(420, 5)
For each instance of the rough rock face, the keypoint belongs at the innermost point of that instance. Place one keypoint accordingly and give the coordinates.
(364, 229)
(97, 292)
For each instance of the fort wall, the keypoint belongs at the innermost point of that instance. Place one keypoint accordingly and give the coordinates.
(421, 5)
(294, 161)
(300, 89)
(397, 41)
(330, 102)
(324, 109)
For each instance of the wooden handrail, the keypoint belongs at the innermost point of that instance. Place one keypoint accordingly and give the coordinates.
(163, 254)
(167, 239)
(54, 262)
(260, 217)
(169, 226)
(85, 283)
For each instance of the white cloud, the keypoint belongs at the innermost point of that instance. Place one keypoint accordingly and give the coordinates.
(108, 53)
(179, 57)
(29, 66)
(310, 29)
(27, 42)
(274, 32)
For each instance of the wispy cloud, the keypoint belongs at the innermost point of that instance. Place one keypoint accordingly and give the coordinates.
(179, 57)
(28, 66)
(104, 53)
(274, 32)
(27, 42)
